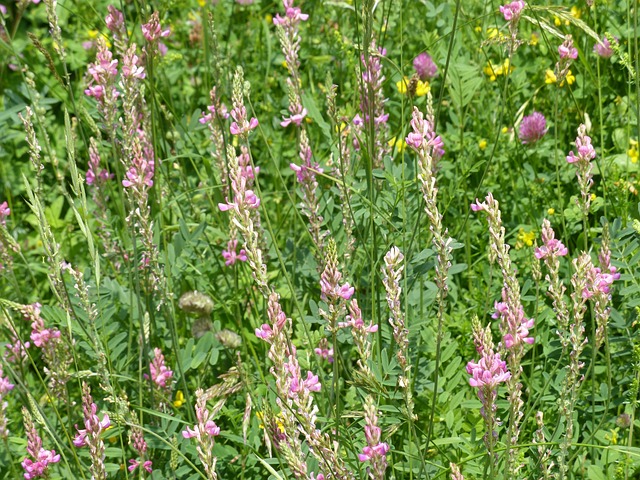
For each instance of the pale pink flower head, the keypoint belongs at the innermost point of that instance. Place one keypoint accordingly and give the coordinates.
(567, 50)
(160, 373)
(532, 128)
(425, 66)
(586, 152)
(489, 372)
(115, 19)
(551, 247)
(368, 453)
(4, 212)
(152, 30)
(39, 468)
(511, 11)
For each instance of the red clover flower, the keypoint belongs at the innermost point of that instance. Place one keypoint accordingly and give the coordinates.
(532, 128)
(425, 67)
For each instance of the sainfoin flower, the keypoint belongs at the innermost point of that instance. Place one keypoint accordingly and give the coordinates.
(532, 128)
(552, 247)
(511, 11)
(425, 66)
(38, 465)
(231, 255)
(4, 212)
(160, 373)
(489, 372)
(135, 463)
(152, 30)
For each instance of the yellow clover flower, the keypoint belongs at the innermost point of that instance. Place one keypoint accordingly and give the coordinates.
(482, 144)
(570, 79)
(422, 88)
(402, 85)
(525, 238)
(179, 401)
(398, 143)
(550, 77)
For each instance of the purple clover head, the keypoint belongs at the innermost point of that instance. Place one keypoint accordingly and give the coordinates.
(425, 67)
(532, 128)
(603, 48)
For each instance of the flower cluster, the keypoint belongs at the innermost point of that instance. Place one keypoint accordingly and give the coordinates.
(532, 128)
(38, 465)
(95, 176)
(511, 11)
(486, 375)
(139, 445)
(551, 246)
(585, 153)
(330, 284)
(160, 373)
(204, 432)
(376, 451)
(102, 84)
(5, 387)
(91, 435)
(4, 213)
(40, 336)
(372, 103)
(241, 125)
(423, 137)
(215, 121)
(567, 53)
(324, 350)
(152, 32)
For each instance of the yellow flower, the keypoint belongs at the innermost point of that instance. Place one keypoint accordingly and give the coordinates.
(399, 144)
(525, 238)
(179, 401)
(478, 29)
(402, 85)
(551, 211)
(92, 34)
(493, 70)
(534, 39)
(482, 144)
(505, 130)
(490, 71)
(279, 422)
(575, 12)
(422, 88)
(593, 197)
(202, 3)
(268, 18)
(550, 77)
(570, 78)
(556, 21)
(284, 64)
(613, 438)
(492, 32)
(633, 154)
